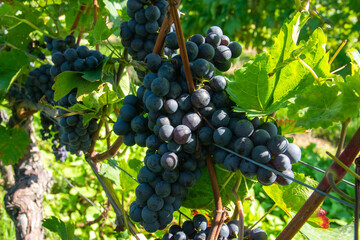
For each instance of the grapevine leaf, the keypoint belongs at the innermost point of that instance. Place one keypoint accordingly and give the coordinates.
(316, 233)
(200, 196)
(101, 32)
(294, 77)
(288, 126)
(330, 102)
(355, 59)
(123, 171)
(68, 80)
(95, 100)
(267, 83)
(13, 144)
(113, 13)
(65, 231)
(111, 171)
(292, 197)
(12, 63)
(252, 84)
(93, 75)
(285, 43)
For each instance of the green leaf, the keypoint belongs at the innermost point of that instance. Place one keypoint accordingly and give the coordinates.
(292, 197)
(315, 233)
(200, 196)
(65, 231)
(111, 171)
(252, 85)
(68, 80)
(320, 106)
(355, 59)
(288, 126)
(101, 32)
(12, 64)
(13, 144)
(96, 74)
(266, 84)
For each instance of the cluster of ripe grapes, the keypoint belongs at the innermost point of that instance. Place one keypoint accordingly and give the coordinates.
(216, 48)
(60, 45)
(261, 143)
(198, 229)
(75, 59)
(165, 118)
(50, 130)
(180, 128)
(39, 83)
(75, 135)
(139, 34)
(68, 56)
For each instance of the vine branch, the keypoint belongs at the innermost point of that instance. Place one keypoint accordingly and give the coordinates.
(77, 18)
(219, 212)
(340, 146)
(240, 208)
(111, 152)
(164, 30)
(183, 52)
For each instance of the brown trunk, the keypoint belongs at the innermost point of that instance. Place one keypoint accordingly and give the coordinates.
(24, 200)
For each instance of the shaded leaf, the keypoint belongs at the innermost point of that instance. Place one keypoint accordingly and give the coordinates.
(12, 63)
(67, 81)
(200, 196)
(111, 171)
(65, 231)
(13, 144)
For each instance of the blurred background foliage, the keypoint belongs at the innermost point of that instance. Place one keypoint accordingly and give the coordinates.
(254, 24)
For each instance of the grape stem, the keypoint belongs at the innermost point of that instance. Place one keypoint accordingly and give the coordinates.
(219, 215)
(77, 18)
(337, 51)
(344, 126)
(181, 41)
(95, 137)
(164, 30)
(112, 151)
(96, 6)
(108, 135)
(332, 183)
(315, 200)
(239, 207)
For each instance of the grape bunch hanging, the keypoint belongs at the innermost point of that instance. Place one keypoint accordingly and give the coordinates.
(180, 128)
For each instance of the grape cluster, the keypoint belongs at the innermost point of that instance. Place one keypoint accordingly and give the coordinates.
(51, 130)
(75, 135)
(180, 128)
(139, 34)
(68, 56)
(198, 229)
(216, 48)
(79, 59)
(259, 142)
(39, 83)
(17, 91)
(60, 45)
